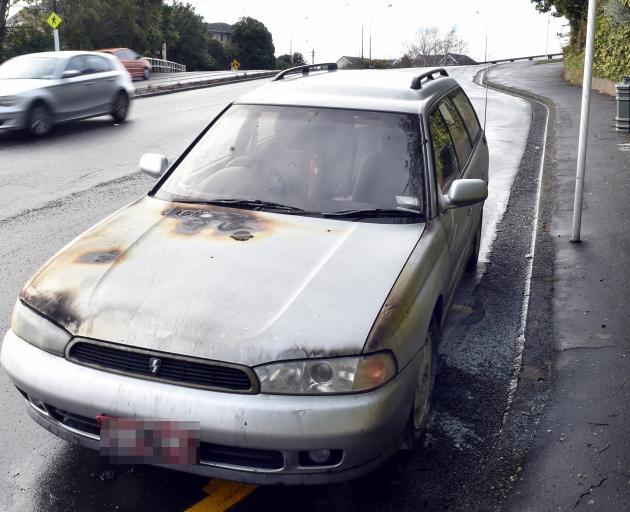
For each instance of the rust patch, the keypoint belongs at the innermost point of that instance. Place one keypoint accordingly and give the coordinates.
(99, 256)
(58, 306)
(192, 221)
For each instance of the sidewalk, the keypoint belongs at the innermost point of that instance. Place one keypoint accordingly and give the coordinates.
(580, 457)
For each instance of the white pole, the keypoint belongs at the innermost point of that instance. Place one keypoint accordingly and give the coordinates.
(56, 36)
(586, 101)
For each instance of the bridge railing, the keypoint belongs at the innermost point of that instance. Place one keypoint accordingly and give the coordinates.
(165, 66)
(520, 59)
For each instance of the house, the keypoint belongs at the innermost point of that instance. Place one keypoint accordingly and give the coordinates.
(222, 32)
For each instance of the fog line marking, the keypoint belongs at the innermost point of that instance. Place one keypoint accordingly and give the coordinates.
(222, 494)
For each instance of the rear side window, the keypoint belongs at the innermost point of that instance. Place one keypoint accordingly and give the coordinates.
(457, 130)
(468, 115)
(97, 64)
(446, 165)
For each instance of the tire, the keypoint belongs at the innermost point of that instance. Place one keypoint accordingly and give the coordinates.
(120, 109)
(471, 264)
(423, 395)
(146, 74)
(40, 120)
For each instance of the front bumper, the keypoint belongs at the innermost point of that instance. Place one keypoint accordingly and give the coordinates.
(12, 118)
(367, 427)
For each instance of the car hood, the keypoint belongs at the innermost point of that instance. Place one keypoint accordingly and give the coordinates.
(221, 283)
(16, 86)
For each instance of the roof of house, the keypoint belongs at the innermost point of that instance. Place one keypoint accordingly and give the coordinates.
(221, 28)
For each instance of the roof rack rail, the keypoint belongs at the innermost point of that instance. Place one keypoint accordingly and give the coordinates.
(416, 83)
(305, 70)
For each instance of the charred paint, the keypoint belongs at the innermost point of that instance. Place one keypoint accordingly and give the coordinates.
(233, 223)
(106, 256)
(58, 306)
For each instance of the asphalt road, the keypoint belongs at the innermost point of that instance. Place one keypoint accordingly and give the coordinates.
(55, 188)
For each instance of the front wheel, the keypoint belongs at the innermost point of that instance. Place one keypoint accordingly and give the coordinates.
(424, 388)
(146, 74)
(120, 108)
(40, 120)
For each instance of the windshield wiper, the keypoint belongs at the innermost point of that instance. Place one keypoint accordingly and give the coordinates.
(255, 204)
(375, 212)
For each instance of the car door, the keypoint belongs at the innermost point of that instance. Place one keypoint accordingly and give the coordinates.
(446, 168)
(103, 83)
(477, 166)
(73, 94)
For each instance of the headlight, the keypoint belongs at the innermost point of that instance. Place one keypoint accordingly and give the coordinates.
(324, 376)
(8, 101)
(37, 330)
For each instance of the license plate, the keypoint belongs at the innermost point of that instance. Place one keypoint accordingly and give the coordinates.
(144, 441)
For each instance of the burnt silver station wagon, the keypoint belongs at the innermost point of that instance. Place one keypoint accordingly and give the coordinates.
(281, 288)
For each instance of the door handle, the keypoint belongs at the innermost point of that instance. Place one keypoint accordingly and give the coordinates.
(112, 79)
(88, 83)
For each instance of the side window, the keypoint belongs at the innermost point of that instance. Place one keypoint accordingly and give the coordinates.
(97, 64)
(77, 63)
(468, 115)
(457, 130)
(446, 165)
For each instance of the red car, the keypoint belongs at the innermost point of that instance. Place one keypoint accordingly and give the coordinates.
(138, 66)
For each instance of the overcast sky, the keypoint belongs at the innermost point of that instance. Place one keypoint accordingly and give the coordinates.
(333, 27)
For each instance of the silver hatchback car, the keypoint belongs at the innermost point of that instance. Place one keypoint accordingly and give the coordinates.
(271, 310)
(40, 89)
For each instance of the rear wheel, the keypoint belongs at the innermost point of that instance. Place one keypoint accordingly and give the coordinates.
(424, 388)
(40, 120)
(120, 108)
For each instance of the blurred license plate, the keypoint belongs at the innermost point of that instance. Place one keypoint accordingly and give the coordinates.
(142, 441)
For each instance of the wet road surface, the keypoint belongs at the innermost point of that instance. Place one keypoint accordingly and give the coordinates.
(464, 462)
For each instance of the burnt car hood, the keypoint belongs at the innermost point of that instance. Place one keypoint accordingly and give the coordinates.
(220, 283)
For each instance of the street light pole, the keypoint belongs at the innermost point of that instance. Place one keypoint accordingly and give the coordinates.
(372, 18)
(586, 104)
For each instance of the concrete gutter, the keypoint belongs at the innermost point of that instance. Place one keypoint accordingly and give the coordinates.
(156, 90)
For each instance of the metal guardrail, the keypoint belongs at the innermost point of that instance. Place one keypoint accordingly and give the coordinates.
(520, 59)
(165, 66)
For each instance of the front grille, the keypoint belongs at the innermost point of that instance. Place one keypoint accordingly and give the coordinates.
(212, 375)
(246, 457)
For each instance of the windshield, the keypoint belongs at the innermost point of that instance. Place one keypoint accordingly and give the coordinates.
(29, 67)
(315, 159)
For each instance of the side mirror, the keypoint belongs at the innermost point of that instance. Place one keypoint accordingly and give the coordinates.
(71, 73)
(465, 193)
(153, 164)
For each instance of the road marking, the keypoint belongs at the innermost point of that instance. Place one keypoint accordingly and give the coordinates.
(461, 309)
(222, 494)
(520, 341)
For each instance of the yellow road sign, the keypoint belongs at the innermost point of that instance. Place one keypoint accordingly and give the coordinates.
(53, 20)
(235, 65)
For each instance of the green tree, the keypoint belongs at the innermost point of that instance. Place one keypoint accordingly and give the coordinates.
(575, 11)
(221, 55)
(288, 61)
(253, 44)
(191, 42)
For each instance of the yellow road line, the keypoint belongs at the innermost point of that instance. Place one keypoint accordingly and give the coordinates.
(222, 494)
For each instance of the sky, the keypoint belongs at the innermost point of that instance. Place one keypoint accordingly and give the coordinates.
(333, 27)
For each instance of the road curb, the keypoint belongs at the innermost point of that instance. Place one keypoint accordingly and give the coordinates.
(202, 84)
(535, 374)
